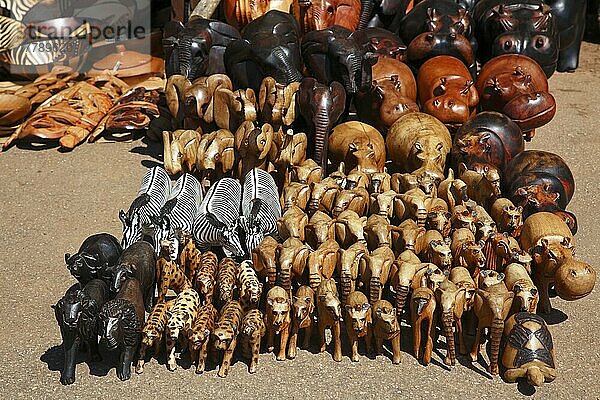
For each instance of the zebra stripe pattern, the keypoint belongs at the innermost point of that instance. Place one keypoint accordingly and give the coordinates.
(12, 33)
(178, 213)
(153, 193)
(217, 220)
(18, 8)
(260, 208)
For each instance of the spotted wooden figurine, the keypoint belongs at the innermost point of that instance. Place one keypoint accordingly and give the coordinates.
(153, 330)
(180, 320)
(250, 287)
(188, 255)
(170, 276)
(204, 281)
(528, 351)
(278, 319)
(251, 333)
(199, 335)
(226, 280)
(303, 307)
(225, 333)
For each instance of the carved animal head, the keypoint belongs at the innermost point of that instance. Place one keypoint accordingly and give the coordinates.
(410, 233)
(279, 309)
(68, 309)
(499, 303)
(253, 326)
(119, 274)
(323, 195)
(453, 101)
(216, 150)
(440, 254)
(319, 229)
(488, 278)
(392, 102)
(414, 203)
(118, 323)
(303, 303)
(358, 311)
(328, 300)
(292, 223)
(439, 220)
(447, 294)
(83, 266)
(322, 14)
(291, 148)
(295, 194)
(307, 172)
(254, 141)
(222, 336)
(384, 315)
(380, 182)
(526, 298)
(349, 227)
(462, 217)
(434, 276)
(277, 102)
(132, 229)
(471, 255)
(383, 203)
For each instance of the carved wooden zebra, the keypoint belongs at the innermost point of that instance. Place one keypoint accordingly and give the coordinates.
(12, 33)
(178, 213)
(235, 220)
(153, 193)
(217, 221)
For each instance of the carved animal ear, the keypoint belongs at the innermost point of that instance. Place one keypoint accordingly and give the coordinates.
(338, 95)
(122, 217)
(67, 256)
(462, 168)
(223, 101)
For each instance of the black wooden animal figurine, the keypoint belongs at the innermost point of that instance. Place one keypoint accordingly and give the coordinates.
(96, 254)
(198, 48)
(120, 323)
(270, 46)
(76, 313)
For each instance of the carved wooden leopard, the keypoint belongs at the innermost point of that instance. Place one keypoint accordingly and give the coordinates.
(170, 276)
(250, 287)
(153, 330)
(225, 333)
(188, 256)
(204, 281)
(226, 280)
(199, 335)
(180, 320)
(303, 309)
(252, 330)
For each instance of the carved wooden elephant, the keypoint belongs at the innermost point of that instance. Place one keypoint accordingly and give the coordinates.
(180, 151)
(358, 145)
(308, 172)
(349, 228)
(331, 55)
(277, 102)
(293, 257)
(357, 178)
(232, 108)
(322, 196)
(197, 49)
(291, 149)
(319, 229)
(451, 301)
(238, 13)
(376, 272)
(322, 262)
(383, 204)
(380, 182)
(254, 145)
(483, 188)
(292, 223)
(378, 232)
(295, 194)
(422, 307)
(349, 266)
(356, 199)
(216, 154)
(320, 106)
(265, 258)
(270, 46)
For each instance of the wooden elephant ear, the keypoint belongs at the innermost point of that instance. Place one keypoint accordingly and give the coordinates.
(175, 87)
(242, 135)
(338, 95)
(289, 99)
(223, 103)
(267, 96)
(214, 83)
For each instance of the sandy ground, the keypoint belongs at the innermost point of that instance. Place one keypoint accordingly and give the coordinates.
(53, 201)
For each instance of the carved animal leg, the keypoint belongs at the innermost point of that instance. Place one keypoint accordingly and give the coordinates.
(307, 335)
(124, 369)
(139, 368)
(162, 293)
(378, 345)
(416, 328)
(429, 343)
(462, 348)
(544, 306)
(228, 354)
(475, 349)
(293, 339)
(337, 343)
(323, 344)
(396, 355)
(283, 343)
(201, 357)
(93, 347)
(270, 335)
(254, 360)
(353, 346)
(368, 340)
(171, 364)
(71, 345)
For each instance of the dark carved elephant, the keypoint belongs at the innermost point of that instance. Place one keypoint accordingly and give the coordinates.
(382, 42)
(331, 55)
(270, 46)
(320, 106)
(197, 49)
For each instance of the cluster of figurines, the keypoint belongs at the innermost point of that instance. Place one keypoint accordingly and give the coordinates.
(308, 168)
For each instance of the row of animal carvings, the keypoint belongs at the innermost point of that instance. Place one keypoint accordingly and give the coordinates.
(263, 36)
(109, 301)
(62, 106)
